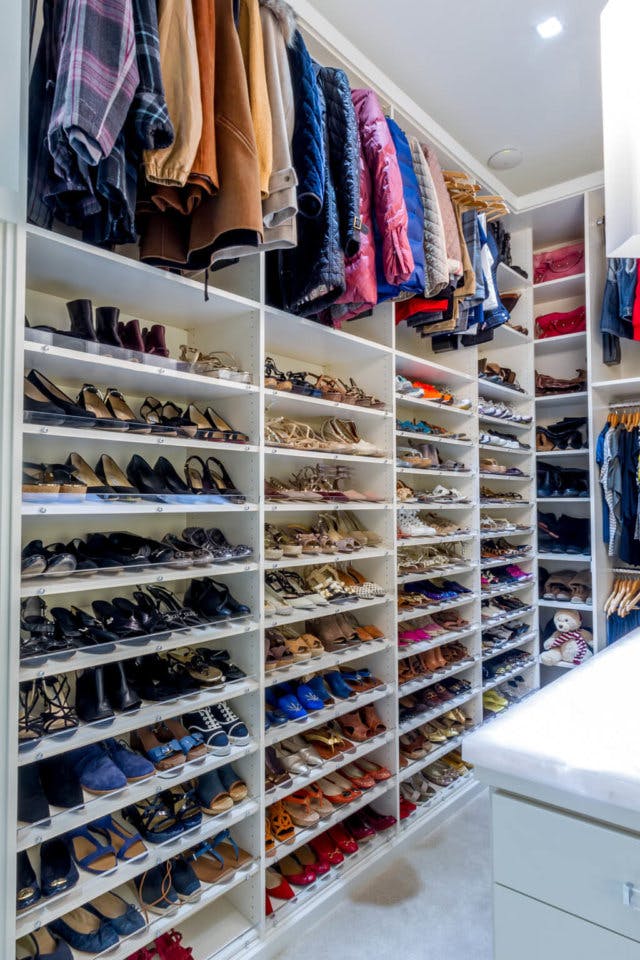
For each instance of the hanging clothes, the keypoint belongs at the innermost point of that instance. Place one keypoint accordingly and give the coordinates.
(435, 250)
(618, 453)
(451, 231)
(252, 46)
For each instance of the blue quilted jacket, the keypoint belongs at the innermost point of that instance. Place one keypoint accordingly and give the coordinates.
(307, 146)
(413, 201)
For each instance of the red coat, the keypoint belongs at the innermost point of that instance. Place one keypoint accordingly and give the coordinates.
(381, 195)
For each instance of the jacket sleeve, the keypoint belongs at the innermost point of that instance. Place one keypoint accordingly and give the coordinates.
(308, 133)
(389, 206)
(344, 155)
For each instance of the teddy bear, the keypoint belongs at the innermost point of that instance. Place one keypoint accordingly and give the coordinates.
(569, 643)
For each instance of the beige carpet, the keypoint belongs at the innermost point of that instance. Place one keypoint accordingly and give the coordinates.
(431, 903)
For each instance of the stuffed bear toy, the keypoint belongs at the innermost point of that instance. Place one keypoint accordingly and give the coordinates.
(569, 643)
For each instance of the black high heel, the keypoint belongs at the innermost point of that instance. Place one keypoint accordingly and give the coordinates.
(161, 482)
(123, 626)
(122, 412)
(173, 416)
(90, 631)
(111, 474)
(30, 729)
(222, 482)
(90, 400)
(151, 411)
(74, 414)
(58, 716)
(92, 705)
(170, 607)
(39, 409)
(39, 636)
(221, 426)
(151, 622)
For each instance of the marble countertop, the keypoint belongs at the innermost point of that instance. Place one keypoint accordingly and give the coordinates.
(579, 735)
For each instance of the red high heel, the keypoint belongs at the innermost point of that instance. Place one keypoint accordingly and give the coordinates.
(169, 947)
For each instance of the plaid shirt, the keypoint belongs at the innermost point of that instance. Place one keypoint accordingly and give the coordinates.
(96, 81)
(149, 112)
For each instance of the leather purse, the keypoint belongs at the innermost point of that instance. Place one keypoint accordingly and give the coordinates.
(559, 324)
(560, 262)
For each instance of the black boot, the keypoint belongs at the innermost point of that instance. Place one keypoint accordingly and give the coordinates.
(91, 700)
(107, 326)
(81, 317)
(33, 806)
(120, 695)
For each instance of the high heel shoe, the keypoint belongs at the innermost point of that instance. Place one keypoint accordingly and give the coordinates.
(75, 415)
(110, 473)
(90, 399)
(162, 481)
(221, 425)
(222, 482)
(151, 411)
(172, 610)
(84, 630)
(82, 472)
(58, 716)
(122, 412)
(39, 409)
(172, 416)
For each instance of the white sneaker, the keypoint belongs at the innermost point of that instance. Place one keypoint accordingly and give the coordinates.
(410, 525)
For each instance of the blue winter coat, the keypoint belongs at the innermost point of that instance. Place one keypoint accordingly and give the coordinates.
(307, 145)
(413, 201)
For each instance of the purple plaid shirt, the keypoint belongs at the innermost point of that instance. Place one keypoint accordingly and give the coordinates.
(95, 84)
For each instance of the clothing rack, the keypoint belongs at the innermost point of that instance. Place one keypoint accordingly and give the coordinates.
(624, 405)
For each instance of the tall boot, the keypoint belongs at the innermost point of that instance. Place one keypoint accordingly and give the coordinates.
(91, 700)
(81, 317)
(107, 326)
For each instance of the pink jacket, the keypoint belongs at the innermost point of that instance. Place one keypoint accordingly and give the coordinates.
(380, 195)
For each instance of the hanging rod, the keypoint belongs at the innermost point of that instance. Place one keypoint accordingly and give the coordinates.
(621, 406)
(625, 571)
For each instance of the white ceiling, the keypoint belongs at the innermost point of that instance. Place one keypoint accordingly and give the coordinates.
(483, 73)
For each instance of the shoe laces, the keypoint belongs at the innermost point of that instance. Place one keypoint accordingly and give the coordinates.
(227, 713)
(209, 718)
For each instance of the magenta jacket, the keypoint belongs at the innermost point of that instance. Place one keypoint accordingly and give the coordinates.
(381, 195)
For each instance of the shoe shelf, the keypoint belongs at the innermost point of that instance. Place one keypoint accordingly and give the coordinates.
(504, 422)
(428, 371)
(34, 668)
(322, 455)
(560, 289)
(567, 341)
(559, 501)
(320, 717)
(509, 279)
(318, 612)
(505, 504)
(546, 454)
(499, 534)
(511, 645)
(562, 398)
(30, 835)
(303, 836)
(414, 722)
(307, 560)
(566, 557)
(326, 661)
(97, 435)
(63, 363)
(300, 781)
(445, 797)
(500, 391)
(287, 404)
(94, 886)
(503, 591)
(51, 586)
(451, 571)
(226, 924)
(60, 266)
(315, 506)
(428, 680)
(504, 677)
(434, 541)
(415, 766)
(417, 612)
(584, 607)
(412, 649)
(417, 471)
(432, 438)
(507, 618)
(98, 508)
(503, 561)
(498, 448)
(149, 713)
(310, 342)
(421, 404)
(504, 477)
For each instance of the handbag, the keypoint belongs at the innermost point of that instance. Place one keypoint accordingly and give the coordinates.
(561, 262)
(559, 324)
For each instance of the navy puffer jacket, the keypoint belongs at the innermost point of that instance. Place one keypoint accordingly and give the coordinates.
(307, 145)
(415, 210)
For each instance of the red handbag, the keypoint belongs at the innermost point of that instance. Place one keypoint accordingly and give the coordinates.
(558, 324)
(561, 262)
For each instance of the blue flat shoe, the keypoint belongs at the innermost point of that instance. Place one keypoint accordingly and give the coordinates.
(109, 908)
(57, 870)
(291, 707)
(155, 891)
(42, 944)
(27, 889)
(307, 698)
(276, 718)
(320, 689)
(84, 931)
(96, 771)
(90, 855)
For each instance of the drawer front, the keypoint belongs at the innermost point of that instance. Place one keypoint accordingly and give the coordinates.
(568, 863)
(528, 930)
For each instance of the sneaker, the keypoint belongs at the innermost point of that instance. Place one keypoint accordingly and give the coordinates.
(231, 724)
(406, 388)
(410, 525)
(207, 724)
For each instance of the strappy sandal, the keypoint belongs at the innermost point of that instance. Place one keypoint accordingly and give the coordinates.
(58, 716)
(281, 823)
(298, 806)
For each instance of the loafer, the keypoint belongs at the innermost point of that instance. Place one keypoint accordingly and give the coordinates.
(326, 850)
(57, 870)
(307, 698)
(134, 766)
(45, 945)
(319, 687)
(184, 881)
(96, 771)
(287, 703)
(379, 821)
(84, 931)
(343, 840)
(125, 919)
(155, 894)
(337, 685)
(360, 828)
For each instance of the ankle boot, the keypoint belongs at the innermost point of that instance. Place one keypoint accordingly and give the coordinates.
(81, 318)
(107, 326)
(91, 700)
(547, 480)
(131, 336)
(117, 689)
(154, 341)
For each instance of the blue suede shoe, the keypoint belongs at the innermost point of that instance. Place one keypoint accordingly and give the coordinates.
(184, 881)
(134, 766)
(94, 937)
(96, 771)
(321, 690)
(307, 698)
(155, 891)
(27, 889)
(44, 945)
(57, 870)
(337, 685)
(122, 915)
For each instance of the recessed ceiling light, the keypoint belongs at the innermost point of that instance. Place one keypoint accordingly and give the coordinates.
(549, 28)
(505, 159)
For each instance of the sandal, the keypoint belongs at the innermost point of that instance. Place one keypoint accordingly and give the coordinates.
(281, 824)
(354, 727)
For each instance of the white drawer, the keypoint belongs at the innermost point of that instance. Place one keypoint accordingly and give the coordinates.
(528, 930)
(569, 863)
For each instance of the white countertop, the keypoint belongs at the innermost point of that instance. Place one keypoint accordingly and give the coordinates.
(579, 735)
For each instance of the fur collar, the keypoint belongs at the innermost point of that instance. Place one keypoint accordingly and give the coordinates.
(285, 16)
